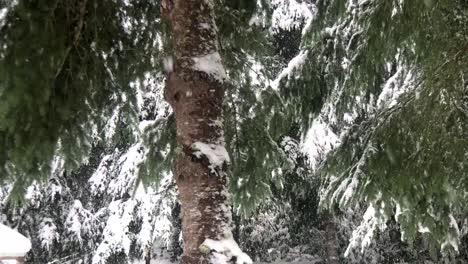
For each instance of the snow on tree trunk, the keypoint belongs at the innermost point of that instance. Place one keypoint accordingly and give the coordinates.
(195, 91)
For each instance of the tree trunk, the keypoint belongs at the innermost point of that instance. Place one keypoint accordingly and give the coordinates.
(331, 242)
(195, 91)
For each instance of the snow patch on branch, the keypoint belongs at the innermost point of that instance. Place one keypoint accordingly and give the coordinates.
(129, 167)
(216, 154)
(452, 238)
(450, 241)
(210, 64)
(99, 180)
(116, 234)
(111, 125)
(291, 14)
(48, 233)
(319, 141)
(423, 229)
(257, 73)
(224, 250)
(294, 65)
(33, 194)
(363, 234)
(260, 18)
(7, 6)
(401, 82)
(79, 222)
(3, 13)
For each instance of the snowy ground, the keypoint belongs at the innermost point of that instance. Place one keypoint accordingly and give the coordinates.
(155, 261)
(309, 260)
(12, 245)
(167, 261)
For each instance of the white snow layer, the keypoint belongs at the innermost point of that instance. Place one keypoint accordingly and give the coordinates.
(116, 233)
(129, 167)
(363, 234)
(210, 64)
(79, 221)
(291, 14)
(156, 226)
(395, 87)
(257, 73)
(3, 13)
(452, 239)
(226, 249)
(423, 229)
(99, 180)
(12, 243)
(260, 17)
(48, 233)
(111, 125)
(294, 65)
(158, 260)
(319, 140)
(168, 63)
(7, 6)
(149, 93)
(216, 154)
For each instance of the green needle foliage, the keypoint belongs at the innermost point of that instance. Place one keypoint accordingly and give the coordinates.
(412, 154)
(64, 65)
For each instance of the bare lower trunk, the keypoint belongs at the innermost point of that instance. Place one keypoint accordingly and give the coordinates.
(195, 92)
(331, 242)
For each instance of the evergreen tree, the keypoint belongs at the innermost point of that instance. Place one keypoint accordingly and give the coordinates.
(98, 213)
(66, 69)
(195, 89)
(94, 45)
(392, 76)
(383, 114)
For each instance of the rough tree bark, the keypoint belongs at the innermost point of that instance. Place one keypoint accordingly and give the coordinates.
(195, 91)
(331, 242)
